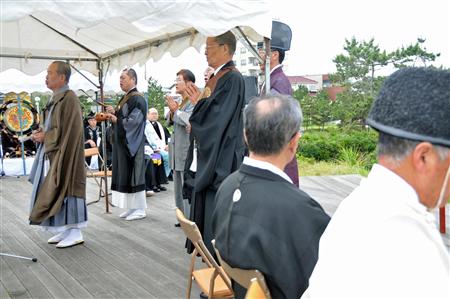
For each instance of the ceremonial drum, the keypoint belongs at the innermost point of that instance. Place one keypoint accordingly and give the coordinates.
(15, 121)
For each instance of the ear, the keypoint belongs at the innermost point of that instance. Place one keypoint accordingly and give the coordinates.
(226, 49)
(422, 157)
(245, 138)
(293, 143)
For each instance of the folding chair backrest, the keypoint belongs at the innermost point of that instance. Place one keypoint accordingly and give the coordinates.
(89, 152)
(192, 232)
(189, 228)
(242, 276)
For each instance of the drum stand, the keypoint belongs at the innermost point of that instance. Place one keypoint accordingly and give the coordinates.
(2, 173)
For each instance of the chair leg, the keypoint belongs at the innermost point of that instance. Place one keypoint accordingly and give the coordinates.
(94, 201)
(100, 192)
(98, 199)
(211, 284)
(191, 270)
(103, 191)
(188, 292)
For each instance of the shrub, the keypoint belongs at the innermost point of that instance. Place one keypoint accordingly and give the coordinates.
(339, 144)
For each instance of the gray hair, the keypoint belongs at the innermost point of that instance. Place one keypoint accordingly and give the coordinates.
(270, 122)
(396, 149)
(228, 39)
(63, 68)
(153, 109)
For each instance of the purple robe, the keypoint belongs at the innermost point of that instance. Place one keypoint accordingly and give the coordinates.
(279, 83)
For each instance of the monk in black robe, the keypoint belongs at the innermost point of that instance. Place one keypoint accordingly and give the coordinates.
(217, 129)
(262, 221)
(128, 178)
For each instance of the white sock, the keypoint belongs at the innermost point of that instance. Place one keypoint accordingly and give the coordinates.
(74, 235)
(138, 212)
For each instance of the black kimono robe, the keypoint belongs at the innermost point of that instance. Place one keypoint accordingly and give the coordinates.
(128, 174)
(90, 134)
(217, 128)
(269, 225)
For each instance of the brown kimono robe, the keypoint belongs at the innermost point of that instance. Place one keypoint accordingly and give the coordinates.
(64, 147)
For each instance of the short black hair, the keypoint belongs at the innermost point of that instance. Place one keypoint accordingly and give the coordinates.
(131, 73)
(281, 54)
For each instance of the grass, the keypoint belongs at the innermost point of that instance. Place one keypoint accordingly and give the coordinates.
(309, 167)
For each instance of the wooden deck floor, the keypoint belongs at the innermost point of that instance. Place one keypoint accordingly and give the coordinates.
(120, 259)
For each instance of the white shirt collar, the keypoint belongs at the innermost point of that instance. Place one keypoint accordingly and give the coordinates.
(276, 67)
(218, 69)
(266, 166)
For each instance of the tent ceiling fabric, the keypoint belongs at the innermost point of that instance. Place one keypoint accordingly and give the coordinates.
(118, 33)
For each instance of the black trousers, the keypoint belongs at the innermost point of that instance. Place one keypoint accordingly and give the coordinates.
(154, 175)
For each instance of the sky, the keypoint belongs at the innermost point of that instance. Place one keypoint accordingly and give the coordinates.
(319, 28)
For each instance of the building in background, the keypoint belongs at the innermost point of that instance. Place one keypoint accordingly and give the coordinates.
(313, 86)
(245, 61)
(248, 65)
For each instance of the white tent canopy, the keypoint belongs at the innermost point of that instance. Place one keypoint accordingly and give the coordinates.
(109, 35)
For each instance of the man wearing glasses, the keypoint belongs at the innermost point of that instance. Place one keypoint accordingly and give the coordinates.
(217, 129)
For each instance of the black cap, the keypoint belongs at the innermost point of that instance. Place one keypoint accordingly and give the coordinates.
(414, 103)
(281, 37)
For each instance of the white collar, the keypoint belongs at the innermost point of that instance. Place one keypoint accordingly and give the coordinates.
(266, 166)
(218, 69)
(130, 90)
(276, 67)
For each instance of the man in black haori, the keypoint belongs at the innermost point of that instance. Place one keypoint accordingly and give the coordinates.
(128, 178)
(263, 221)
(217, 129)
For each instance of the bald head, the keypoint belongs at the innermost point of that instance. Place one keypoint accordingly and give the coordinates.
(270, 123)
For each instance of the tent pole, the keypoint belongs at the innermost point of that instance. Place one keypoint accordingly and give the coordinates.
(267, 66)
(105, 154)
(85, 77)
(248, 44)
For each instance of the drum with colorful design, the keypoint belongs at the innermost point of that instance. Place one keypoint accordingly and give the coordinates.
(17, 122)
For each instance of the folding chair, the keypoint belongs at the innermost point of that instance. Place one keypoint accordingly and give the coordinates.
(99, 176)
(212, 280)
(242, 276)
(255, 291)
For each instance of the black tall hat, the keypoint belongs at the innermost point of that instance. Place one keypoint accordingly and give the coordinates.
(281, 36)
(414, 103)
